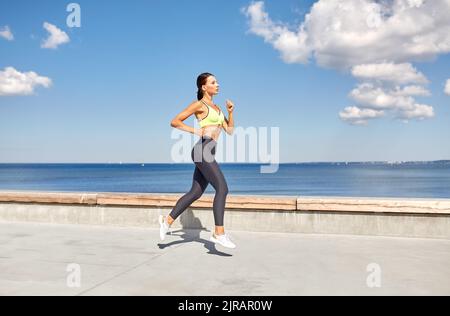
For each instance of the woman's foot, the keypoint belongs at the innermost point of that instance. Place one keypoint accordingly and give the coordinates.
(223, 240)
(164, 227)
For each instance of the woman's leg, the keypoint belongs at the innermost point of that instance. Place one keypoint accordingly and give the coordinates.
(212, 173)
(199, 184)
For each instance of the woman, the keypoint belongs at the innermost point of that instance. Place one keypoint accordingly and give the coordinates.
(211, 121)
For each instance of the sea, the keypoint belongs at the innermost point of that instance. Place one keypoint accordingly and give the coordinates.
(341, 179)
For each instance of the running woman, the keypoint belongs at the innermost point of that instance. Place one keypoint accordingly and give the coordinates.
(211, 120)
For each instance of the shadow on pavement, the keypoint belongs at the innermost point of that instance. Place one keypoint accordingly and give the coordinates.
(190, 232)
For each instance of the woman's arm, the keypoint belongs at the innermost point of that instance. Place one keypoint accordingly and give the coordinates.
(177, 122)
(228, 124)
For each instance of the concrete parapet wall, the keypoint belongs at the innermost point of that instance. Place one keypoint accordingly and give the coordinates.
(426, 218)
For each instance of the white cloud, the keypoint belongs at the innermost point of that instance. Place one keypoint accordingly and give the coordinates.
(447, 87)
(395, 73)
(384, 89)
(376, 40)
(56, 37)
(357, 116)
(344, 33)
(360, 116)
(13, 82)
(418, 111)
(378, 97)
(6, 33)
(292, 45)
(412, 90)
(371, 96)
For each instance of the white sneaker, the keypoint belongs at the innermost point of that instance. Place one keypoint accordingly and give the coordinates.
(163, 227)
(223, 240)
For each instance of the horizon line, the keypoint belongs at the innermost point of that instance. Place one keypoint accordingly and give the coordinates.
(256, 163)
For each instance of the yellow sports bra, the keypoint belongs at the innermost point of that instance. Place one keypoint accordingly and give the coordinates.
(213, 117)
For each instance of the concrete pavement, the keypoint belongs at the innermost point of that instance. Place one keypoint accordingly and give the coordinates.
(50, 259)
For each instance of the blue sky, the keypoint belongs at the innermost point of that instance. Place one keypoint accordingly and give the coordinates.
(132, 65)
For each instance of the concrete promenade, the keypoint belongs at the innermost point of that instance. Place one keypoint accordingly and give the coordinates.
(39, 258)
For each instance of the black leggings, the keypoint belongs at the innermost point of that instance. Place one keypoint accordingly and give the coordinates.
(206, 171)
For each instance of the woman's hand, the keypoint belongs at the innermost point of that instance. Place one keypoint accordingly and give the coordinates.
(230, 106)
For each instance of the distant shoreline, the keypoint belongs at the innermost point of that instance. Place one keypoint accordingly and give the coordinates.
(444, 162)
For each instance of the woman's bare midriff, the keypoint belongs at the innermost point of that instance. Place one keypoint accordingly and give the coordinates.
(212, 131)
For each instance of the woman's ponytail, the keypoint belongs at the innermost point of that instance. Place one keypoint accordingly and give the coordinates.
(199, 94)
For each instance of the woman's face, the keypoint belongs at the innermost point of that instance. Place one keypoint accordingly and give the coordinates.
(211, 86)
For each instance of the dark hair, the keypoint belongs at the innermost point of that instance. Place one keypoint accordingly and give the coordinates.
(201, 80)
